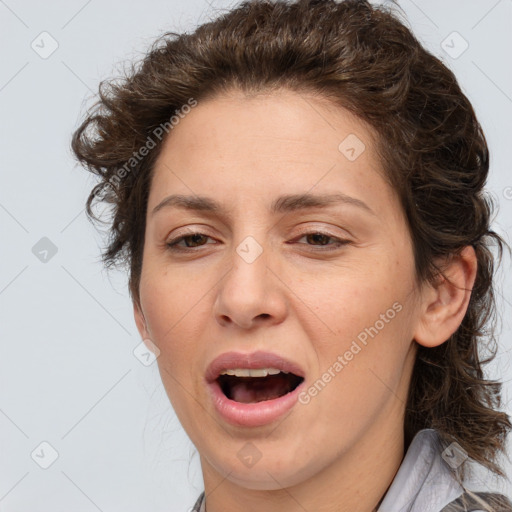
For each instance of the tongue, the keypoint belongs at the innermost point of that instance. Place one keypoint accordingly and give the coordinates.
(253, 389)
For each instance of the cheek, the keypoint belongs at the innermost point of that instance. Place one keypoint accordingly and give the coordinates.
(175, 309)
(339, 303)
(361, 325)
(175, 314)
(360, 377)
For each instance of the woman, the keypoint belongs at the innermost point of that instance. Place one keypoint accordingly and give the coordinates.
(297, 189)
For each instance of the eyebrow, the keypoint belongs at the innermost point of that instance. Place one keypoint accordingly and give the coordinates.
(283, 204)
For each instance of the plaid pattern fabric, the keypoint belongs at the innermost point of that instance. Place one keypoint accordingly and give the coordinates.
(482, 501)
(198, 504)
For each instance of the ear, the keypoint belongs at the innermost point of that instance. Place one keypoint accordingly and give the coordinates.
(142, 327)
(140, 321)
(444, 302)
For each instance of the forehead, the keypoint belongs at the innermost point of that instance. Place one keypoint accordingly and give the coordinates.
(282, 141)
(283, 121)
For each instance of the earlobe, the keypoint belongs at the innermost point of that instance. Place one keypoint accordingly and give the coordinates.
(445, 302)
(142, 327)
(140, 321)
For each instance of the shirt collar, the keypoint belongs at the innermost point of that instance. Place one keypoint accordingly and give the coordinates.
(424, 482)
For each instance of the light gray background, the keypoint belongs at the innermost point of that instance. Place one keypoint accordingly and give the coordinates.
(68, 375)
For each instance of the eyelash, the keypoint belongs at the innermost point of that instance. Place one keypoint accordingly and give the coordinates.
(173, 244)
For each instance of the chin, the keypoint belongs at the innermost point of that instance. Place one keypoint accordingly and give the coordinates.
(268, 473)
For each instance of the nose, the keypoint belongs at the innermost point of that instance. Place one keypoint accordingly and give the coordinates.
(250, 294)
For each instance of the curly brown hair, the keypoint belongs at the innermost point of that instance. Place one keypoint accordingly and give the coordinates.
(435, 156)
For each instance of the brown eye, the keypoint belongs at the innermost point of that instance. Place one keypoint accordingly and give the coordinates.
(191, 241)
(318, 238)
(321, 240)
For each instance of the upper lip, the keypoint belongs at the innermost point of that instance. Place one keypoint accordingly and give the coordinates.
(231, 360)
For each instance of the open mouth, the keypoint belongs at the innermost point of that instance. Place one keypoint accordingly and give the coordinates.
(253, 389)
(257, 385)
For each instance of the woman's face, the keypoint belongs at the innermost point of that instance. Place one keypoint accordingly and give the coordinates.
(297, 258)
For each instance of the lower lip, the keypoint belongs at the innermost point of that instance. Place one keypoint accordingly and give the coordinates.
(253, 414)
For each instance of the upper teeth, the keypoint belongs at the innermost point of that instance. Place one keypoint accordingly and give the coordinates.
(251, 372)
